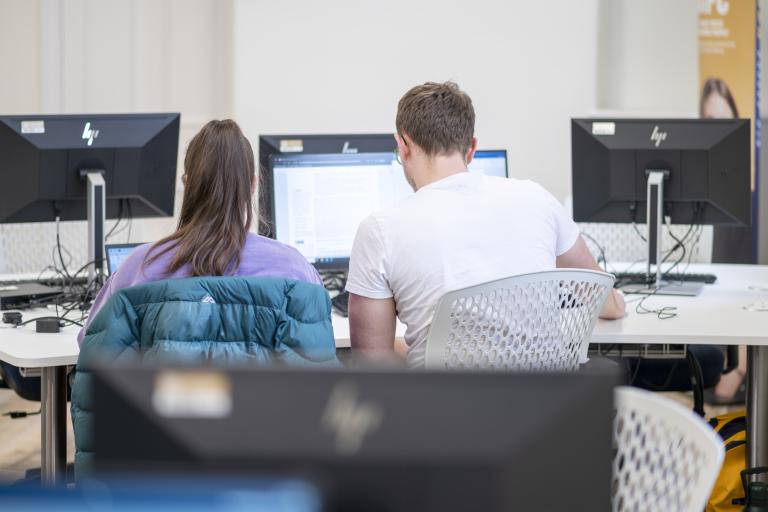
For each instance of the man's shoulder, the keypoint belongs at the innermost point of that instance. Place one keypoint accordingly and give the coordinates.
(528, 189)
(524, 185)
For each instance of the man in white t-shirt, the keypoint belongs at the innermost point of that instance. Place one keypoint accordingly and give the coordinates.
(459, 229)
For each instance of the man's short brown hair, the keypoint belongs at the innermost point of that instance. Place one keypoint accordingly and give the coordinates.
(439, 118)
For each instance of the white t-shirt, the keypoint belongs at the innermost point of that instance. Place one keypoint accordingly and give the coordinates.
(463, 230)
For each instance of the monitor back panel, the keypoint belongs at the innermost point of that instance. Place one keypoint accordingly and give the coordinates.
(410, 441)
(707, 163)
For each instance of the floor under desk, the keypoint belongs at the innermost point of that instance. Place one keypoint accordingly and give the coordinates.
(20, 438)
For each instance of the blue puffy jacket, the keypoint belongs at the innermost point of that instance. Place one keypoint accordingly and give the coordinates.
(257, 320)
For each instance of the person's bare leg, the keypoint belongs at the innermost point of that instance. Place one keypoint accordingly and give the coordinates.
(730, 382)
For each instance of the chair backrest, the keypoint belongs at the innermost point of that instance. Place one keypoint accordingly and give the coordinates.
(667, 457)
(238, 321)
(539, 321)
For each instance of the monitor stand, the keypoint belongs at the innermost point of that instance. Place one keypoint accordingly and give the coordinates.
(654, 284)
(96, 200)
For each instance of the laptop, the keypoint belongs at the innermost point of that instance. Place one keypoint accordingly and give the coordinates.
(26, 295)
(116, 254)
(369, 440)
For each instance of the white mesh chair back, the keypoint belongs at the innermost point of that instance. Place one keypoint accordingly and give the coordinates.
(667, 458)
(531, 322)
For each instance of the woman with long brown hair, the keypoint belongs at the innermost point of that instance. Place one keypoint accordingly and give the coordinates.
(213, 235)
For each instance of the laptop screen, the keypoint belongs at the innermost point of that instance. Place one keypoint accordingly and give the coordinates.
(116, 254)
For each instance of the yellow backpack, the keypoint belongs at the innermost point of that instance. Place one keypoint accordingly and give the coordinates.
(728, 486)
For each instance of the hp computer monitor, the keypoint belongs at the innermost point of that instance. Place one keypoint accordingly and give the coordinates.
(689, 171)
(706, 164)
(321, 187)
(88, 167)
(42, 159)
(369, 440)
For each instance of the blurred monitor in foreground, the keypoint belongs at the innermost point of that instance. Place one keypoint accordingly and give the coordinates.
(373, 441)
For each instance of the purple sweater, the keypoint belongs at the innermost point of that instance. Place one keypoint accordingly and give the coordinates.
(261, 257)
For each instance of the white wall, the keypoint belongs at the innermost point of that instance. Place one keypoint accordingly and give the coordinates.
(90, 56)
(19, 56)
(342, 65)
(648, 57)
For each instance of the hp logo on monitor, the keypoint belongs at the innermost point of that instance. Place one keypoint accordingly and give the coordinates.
(89, 134)
(657, 136)
(349, 419)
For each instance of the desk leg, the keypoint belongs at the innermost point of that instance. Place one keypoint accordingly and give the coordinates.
(757, 406)
(54, 425)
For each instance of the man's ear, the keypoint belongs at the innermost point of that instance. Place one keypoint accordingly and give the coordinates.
(403, 147)
(471, 153)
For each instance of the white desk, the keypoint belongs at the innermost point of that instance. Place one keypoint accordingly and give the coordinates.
(52, 353)
(716, 317)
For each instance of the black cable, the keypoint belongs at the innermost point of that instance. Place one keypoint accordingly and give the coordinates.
(695, 228)
(663, 313)
(699, 214)
(21, 414)
(128, 224)
(599, 248)
(58, 246)
(637, 230)
(633, 211)
(693, 248)
(66, 321)
(697, 383)
(119, 219)
(130, 220)
(679, 244)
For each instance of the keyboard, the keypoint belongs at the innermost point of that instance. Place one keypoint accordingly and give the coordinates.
(341, 303)
(45, 281)
(640, 277)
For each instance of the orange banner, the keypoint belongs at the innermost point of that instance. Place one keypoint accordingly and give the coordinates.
(727, 60)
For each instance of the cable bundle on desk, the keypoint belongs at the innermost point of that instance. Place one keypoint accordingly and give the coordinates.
(77, 290)
(685, 245)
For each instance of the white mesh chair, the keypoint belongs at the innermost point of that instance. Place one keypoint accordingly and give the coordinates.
(667, 458)
(539, 321)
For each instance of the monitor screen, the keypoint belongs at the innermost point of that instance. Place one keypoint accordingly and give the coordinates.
(320, 199)
(490, 163)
